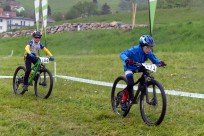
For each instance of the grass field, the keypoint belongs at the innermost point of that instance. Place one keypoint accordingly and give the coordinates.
(76, 108)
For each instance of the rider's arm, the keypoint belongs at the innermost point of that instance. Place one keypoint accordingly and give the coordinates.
(27, 49)
(153, 58)
(47, 52)
(127, 54)
(123, 55)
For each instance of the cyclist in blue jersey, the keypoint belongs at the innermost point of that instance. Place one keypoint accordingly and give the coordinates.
(140, 54)
(31, 49)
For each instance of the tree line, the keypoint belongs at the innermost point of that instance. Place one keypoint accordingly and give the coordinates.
(86, 9)
(161, 4)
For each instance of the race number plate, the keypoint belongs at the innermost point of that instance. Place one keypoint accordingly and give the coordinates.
(44, 60)
(151, 67)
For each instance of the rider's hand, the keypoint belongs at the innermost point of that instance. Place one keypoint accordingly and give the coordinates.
(141, 69)
(52, 58)
(162, 64)
(32, 56)
(129, 61)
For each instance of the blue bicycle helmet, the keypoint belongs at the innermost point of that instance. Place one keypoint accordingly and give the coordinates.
(36, 33)
(146, 40)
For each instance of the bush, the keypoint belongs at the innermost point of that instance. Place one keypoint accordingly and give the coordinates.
(82, 9)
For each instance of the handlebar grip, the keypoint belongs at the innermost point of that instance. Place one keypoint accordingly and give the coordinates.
(137, 64)
(159, 65)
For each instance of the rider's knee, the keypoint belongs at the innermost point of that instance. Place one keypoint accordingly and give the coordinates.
(130, 79)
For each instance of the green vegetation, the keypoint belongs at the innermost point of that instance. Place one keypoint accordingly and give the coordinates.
(64, 5)
(163, 17)
(72, 9)
(76, 108)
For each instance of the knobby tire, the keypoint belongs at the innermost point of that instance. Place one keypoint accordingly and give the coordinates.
(18, 80)
(43, 89)
(116, 95)
(153, 114)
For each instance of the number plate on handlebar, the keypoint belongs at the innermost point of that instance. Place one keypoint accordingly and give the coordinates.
(44, 59)
(151, 67)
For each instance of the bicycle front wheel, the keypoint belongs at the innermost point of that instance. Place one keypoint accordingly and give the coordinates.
(119, 86)
(18, 79)
(153, 103)
(43, 84)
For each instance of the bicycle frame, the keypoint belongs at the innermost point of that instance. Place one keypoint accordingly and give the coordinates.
(142, 87)
(36, 68)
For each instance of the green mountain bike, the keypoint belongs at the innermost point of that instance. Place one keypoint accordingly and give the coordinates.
(40, 75)
(150, 95)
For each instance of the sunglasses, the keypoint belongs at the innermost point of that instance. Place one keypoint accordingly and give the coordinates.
(37, 37)
(149, 47)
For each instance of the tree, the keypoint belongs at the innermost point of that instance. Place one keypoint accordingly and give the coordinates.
(95, 1)
(105, 9)
(7, 8)
(125, 5)
(82, 9)
(57, 16)
(49, 11)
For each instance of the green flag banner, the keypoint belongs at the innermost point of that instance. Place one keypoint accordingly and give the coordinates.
(37, 15)
(152, 9)
(44, 13)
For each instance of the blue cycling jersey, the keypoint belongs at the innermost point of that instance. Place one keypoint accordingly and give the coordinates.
(137, 54)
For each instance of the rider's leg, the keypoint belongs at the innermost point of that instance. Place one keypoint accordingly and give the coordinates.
(130, 80)
(129, 91)
(27, 72)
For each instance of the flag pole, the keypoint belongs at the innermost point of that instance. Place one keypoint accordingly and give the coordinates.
(134, 8)
(44, 13)
(150, 26)
(41, 30)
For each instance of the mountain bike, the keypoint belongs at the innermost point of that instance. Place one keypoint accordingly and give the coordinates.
(40, 75)
(150, 94)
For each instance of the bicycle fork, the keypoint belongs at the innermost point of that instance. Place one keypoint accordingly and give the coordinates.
(153, 101)
(44, 83)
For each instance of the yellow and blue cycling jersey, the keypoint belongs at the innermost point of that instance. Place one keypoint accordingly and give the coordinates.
(33, 48)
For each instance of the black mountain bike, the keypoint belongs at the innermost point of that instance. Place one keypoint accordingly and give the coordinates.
(150, 93)
(42, 77)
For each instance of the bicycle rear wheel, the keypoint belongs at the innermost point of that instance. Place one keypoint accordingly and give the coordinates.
(153, 112)
(18, 79)
(43, 84)
(118, 88)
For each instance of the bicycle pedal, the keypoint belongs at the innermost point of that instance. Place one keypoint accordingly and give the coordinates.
(130, 103)
(43, 84)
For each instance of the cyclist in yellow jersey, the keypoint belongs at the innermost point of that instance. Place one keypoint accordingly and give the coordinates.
(31, 49)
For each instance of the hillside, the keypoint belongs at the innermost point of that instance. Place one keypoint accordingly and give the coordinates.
(57, 6)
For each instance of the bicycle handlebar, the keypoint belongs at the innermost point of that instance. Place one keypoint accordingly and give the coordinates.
(137, 64)
(140, 64)
(43, 59)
